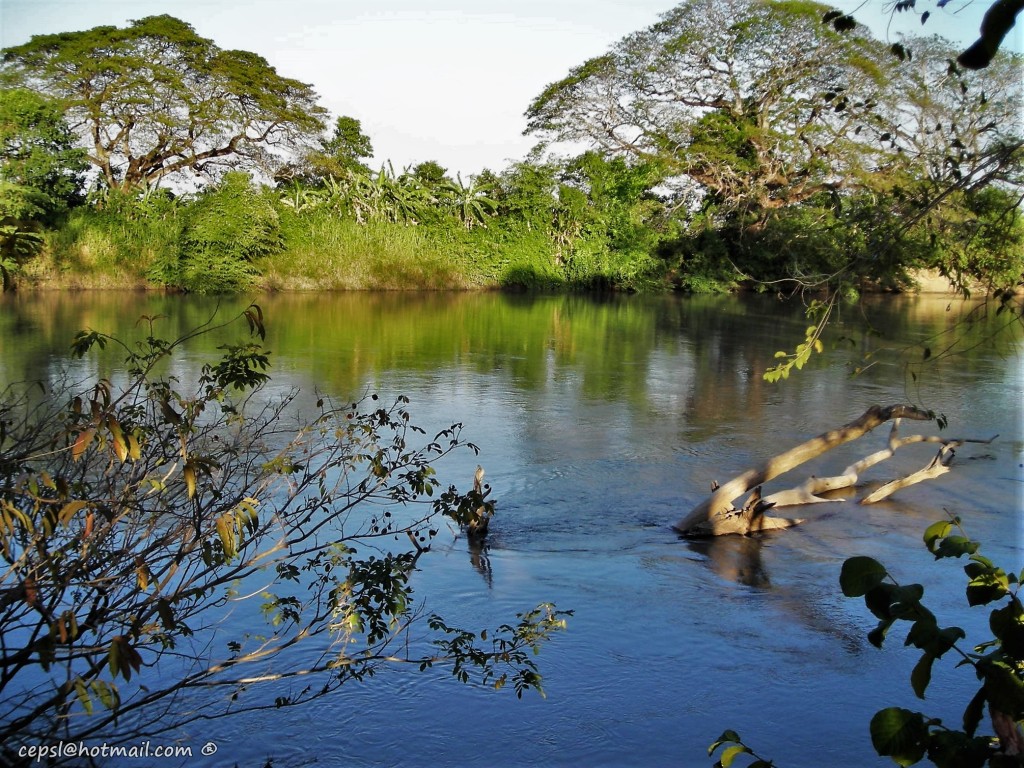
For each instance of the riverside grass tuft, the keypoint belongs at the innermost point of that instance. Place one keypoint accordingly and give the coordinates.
(100, 248)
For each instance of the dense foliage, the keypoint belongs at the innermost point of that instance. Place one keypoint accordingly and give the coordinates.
(136, 513)
(155, 100)
(40, 174)
(839, 166)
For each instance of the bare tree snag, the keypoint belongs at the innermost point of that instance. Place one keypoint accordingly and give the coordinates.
(717, 515)
(476, 530)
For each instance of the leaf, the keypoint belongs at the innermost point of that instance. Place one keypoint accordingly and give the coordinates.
(142, 577)
(727, 737)
(82, 442)
(921, 675)
(83, 695)
(975, 711)
(68, 511)
(107, 694)
(860, 574)
(729, 754)
(1005, 689)
(899, 734)
(163, 609)
(189, 473)
(114, 657)
(955, 546)
(877, 635)
(117, 439)
(936, 531)
(226, 531)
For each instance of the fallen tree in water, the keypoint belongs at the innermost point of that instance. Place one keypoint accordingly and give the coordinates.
(718, 515)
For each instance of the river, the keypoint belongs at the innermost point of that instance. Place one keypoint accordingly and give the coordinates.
(601, 421)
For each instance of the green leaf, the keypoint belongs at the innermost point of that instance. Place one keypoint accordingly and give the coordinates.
(83, 695)
(975, 711)
(860, 574)
(987, 587)
(879, 600)
(922, 675)
(1005, 689)
(1007, 625)
(935, 531)
(899, 734)
(955, 546)
(729, 754)
(727, 737)
(877, 635)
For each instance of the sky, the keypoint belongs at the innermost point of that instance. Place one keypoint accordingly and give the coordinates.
(442, 80)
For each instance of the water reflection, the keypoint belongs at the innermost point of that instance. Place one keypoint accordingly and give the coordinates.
(478, 558)
(601, 422)
(734, 558)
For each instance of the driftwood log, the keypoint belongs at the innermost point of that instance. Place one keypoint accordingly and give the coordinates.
(717, 515)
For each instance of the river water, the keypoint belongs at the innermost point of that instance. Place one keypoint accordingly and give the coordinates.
(601, 421)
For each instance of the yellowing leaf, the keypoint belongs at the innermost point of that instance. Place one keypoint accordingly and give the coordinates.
(68, 511)
(114, 657)
(83, 695)
(117, 439)
(82, 442)
(189, 473)
(226, 531)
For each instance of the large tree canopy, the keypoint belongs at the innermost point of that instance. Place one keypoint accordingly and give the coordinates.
(770, 114)
(755, 101)
(155, 99)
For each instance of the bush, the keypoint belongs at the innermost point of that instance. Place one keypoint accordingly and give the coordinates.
(225, 229)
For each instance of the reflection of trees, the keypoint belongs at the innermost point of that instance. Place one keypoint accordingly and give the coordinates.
(733, 558)
(479, 560)
(692, 359)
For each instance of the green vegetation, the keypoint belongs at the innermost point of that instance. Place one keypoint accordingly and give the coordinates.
(838, 168)
(134, 515)
(905, 736)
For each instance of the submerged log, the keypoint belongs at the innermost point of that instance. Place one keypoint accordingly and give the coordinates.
(717, 515)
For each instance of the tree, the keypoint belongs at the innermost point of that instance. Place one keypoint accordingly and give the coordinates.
(40, 174)
(338, 157)
(134, 515)
(37, 150)
(755, 102)
(227, 227)
(155, 99)
(348, 143)
(953, 165)
(430, 173)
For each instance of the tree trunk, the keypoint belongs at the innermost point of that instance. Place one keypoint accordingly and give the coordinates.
(717, 515)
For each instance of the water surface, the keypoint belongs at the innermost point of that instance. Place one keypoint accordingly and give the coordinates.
(601, 422)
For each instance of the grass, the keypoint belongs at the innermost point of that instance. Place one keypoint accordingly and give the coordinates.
(323, 252)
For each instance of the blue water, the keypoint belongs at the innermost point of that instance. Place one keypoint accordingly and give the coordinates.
(671, 641)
